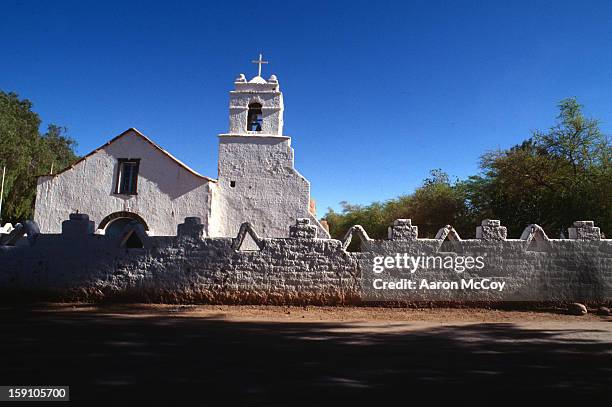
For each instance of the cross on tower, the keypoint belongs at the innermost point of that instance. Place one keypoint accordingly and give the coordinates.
(259, 62)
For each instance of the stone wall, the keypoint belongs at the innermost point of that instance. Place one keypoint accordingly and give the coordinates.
(299, 269)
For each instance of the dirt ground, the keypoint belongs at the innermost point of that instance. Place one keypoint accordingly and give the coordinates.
(264, 355)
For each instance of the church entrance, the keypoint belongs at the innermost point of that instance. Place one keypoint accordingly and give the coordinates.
(116, 227)
(115, 223)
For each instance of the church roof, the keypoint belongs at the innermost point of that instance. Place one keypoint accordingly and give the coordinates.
(145, 138)
(258, 79)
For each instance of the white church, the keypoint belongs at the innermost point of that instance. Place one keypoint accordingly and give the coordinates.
(130, 178)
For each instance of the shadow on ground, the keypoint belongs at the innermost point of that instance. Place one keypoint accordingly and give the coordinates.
(159, 358)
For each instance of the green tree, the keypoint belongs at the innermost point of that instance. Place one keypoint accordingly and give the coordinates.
(552, 179)
(371, 217)
(437, 202)
(27, 153)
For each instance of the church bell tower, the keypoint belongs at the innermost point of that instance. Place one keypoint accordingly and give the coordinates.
(257, 180)
(256, 106)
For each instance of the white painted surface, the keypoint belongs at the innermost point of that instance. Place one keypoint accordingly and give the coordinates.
(167, 192)
(257, 90)
(269, 192)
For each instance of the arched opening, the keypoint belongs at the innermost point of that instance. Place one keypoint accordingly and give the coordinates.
(116, 227)
(115, 223)
(255, 117)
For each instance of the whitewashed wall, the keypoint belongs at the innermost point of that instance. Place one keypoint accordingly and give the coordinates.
(257, 91)
(167, 192)
(269, 192)
(302, 269)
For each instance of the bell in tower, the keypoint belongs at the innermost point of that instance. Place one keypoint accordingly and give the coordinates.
(257, 181)
(256, 106)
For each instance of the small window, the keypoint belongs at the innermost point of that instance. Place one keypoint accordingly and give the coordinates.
(233, 184)
(127, 181)
(255, 117)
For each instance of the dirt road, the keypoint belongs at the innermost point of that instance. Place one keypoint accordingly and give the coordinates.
(297, 356)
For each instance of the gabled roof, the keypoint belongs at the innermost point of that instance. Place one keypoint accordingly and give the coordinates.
(145, 138)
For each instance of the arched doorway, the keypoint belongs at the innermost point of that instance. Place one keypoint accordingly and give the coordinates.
(115, 223)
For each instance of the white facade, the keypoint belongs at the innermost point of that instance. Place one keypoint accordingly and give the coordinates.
(168, 191)
(257, 179)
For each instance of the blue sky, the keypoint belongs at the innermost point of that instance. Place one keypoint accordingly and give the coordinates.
(376, 93)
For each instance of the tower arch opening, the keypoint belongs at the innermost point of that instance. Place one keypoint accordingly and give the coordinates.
(255, 117)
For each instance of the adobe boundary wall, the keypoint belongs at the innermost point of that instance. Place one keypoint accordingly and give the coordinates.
(78, 265)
